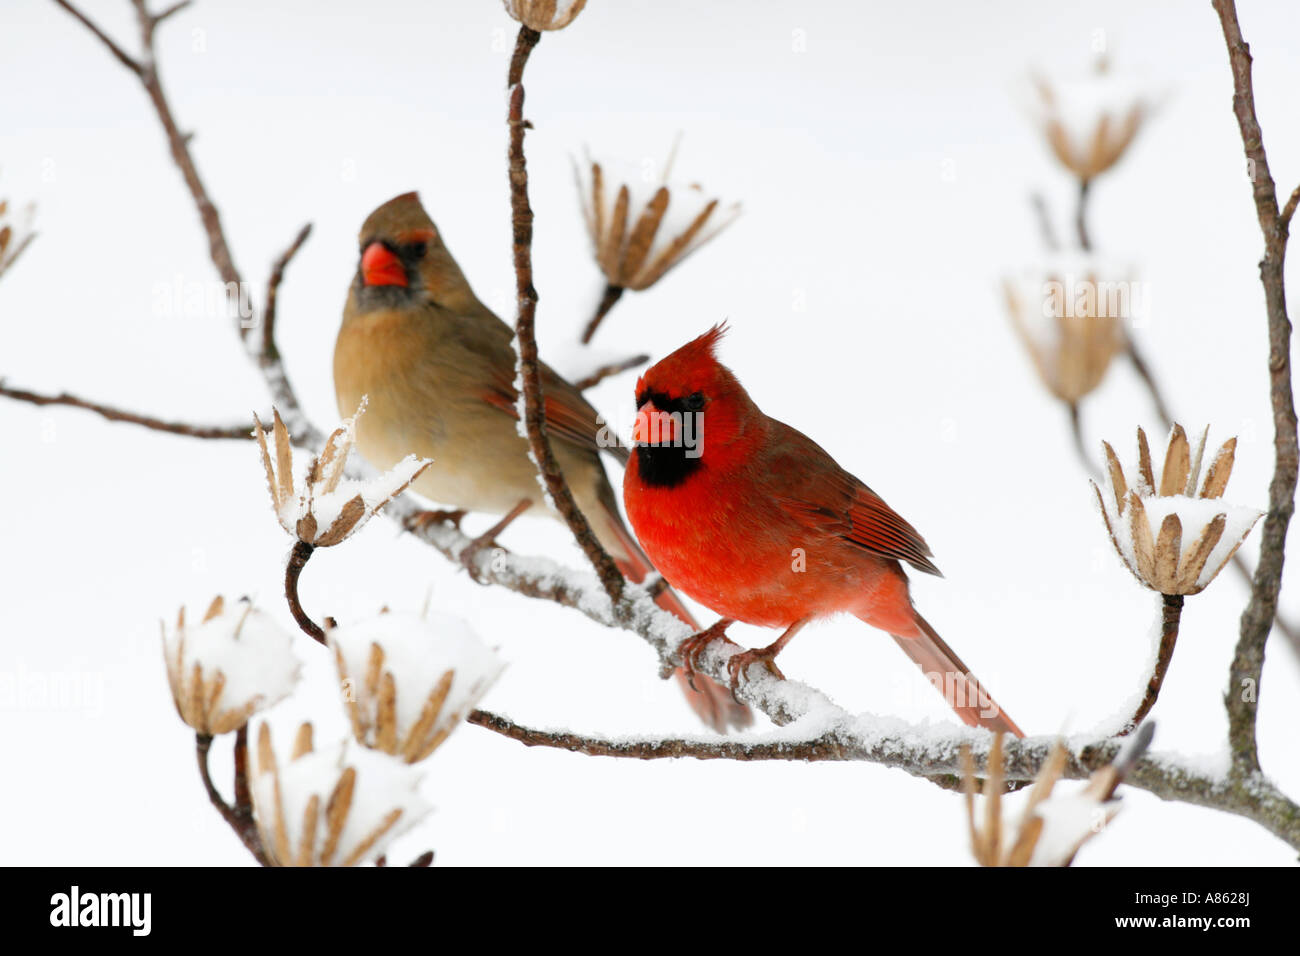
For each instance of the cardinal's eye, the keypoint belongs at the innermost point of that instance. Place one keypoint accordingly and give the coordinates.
(416, 250)
(694, 403)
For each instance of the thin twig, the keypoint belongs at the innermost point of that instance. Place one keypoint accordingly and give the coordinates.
(1044, 218)
(1289, 210)
(1081, 216)
(298, 558)
(1248, 658)
(239, 817)
(1171, 611)
(605, 371)
(1080, 447)
(179, 143)
(608, 298)
(529, 367)
(265, 353)
(269, 350)
(244, 432)
(1143, 369)
(123, 57)
(7, 261)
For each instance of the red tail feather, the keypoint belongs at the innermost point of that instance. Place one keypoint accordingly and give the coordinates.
(945, 670)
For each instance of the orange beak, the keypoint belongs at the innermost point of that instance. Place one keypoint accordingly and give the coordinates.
(379, 266)
(653, 427)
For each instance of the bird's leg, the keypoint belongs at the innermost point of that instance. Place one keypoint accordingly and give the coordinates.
(423, 519)
(739, 663)
(691, 648)
(469, 554)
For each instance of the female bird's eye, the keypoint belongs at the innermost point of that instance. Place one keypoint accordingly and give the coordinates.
(695, 402)
(417, 249)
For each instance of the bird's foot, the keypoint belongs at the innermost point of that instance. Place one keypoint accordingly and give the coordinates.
(691, 648)
(425, 519)
(738, 665)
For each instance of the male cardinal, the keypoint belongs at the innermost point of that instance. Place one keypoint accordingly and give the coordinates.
(755, 520)
(438, 368)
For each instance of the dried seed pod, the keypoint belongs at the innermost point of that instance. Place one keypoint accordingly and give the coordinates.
(229, 666)
(1197, 535)
(338, 807)
(409, 681)
(330, 508)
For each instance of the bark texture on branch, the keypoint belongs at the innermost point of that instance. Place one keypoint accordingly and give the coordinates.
(1244, 676)
(533, 412)
(188, 429)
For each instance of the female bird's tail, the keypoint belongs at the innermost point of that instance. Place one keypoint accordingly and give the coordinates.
(946, 672)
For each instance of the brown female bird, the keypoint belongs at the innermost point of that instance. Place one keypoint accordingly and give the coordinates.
(437, 368)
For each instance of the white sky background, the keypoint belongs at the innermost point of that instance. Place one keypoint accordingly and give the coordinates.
(901, 363)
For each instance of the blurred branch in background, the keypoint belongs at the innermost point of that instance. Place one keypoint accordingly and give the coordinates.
(15, 236)
(1089, 126)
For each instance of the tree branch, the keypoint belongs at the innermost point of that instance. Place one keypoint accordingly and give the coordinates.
(298, 558)
(269, 350)
(261, 349)
(608, 299)
(825, 747)
(605, 371)
(1081, 216)
(1172, 610)
(1248, 659)
(1289, 210)
(239, 817)
(532, 412)
(123, 57)
(244, 432)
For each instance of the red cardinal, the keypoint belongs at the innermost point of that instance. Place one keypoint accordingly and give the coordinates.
(755, 520)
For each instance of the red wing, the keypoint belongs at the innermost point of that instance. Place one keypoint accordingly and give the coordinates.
(832, 501)
(879, 528)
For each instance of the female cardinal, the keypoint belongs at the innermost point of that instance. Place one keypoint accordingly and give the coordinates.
(438, 368)
(755, 520)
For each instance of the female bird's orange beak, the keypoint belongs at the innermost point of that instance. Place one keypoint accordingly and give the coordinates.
(379, 266)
